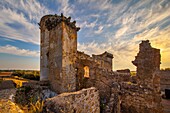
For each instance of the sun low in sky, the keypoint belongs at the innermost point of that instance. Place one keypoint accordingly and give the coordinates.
(116, 26)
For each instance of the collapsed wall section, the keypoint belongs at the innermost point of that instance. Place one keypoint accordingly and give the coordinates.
(147, 62)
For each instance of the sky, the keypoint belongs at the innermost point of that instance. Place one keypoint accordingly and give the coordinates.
(116, 26)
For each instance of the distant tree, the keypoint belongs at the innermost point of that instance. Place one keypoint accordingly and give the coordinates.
(28, 74)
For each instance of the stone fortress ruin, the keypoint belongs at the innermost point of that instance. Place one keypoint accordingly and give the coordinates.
(61, 63)
(68, 70)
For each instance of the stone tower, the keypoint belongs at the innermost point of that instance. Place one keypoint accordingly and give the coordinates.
(58, 52)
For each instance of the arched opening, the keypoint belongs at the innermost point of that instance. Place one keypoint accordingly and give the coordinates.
(86, 72)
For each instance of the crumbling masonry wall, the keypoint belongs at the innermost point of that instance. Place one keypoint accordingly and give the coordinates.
(96, 64)
(147, 62)
(143, 96)
(148, 80)
(83, 101)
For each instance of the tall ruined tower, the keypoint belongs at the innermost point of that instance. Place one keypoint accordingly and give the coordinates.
(58, 52)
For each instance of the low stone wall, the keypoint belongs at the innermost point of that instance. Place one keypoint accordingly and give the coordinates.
(83, 101)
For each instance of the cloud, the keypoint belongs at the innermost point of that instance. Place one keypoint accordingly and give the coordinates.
(30, 8)
(65, 7)
(121, 31)
(100, 30)
(143, 15)
(85, 24)
(28, 32)
(17, 51)
(19, 19)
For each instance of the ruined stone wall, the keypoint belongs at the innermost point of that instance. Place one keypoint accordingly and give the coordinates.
(127, 97)
(138, 99)
(95, 68)
(83, 101)
(165, 79)
(59, 52)
(100, 78)
(105, 60)
(148, 78)
(147, 62)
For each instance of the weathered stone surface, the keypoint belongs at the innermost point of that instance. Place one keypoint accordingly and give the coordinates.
(139, 99)
(58, 52)
(113, 106)
(8, 94)
(147, 62)
(148, 69)
(83, 101)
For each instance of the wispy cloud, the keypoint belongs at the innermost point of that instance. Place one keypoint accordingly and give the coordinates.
(138, 19)
(121, 32)
(65, 7)
(25, 31)
(31, 9)
(99, 30)
(17, 51)
(19, 20)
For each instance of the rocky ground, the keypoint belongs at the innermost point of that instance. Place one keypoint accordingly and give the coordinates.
(7, 94)
(7, 104)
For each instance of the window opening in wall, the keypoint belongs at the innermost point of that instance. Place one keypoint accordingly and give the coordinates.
(86, 72)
